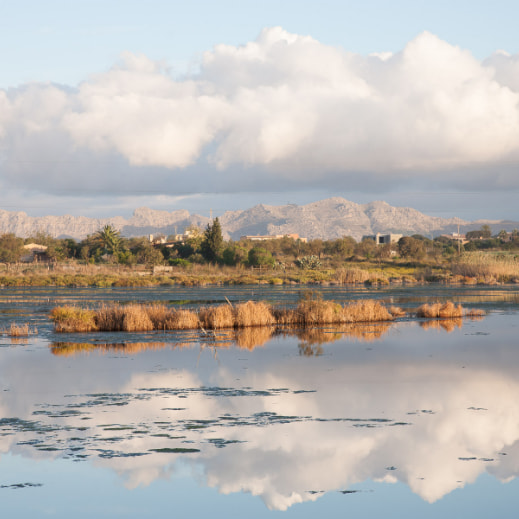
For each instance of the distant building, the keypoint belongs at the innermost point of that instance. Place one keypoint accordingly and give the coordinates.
(267, 237)
(457, 237)
(33, 253)
(384, 238)
(157, 240)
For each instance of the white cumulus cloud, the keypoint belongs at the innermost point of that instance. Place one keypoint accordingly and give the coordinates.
(283, 105)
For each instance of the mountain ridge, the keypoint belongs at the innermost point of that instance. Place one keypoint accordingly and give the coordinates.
(325, 219)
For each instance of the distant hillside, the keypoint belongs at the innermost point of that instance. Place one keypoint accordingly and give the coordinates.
(325, 219)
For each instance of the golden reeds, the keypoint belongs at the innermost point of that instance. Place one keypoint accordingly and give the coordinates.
(216, 317)
(309, 312)
(19, 330)
(487, 267)
(446, 310)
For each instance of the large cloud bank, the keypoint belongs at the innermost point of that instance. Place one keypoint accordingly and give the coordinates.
(283, 105)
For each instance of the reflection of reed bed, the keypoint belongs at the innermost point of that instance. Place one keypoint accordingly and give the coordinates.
(362, 331)
(19, 330)
(448, 325)
(67, 349)
(253, 337)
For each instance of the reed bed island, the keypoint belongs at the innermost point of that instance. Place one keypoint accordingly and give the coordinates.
(307, 313)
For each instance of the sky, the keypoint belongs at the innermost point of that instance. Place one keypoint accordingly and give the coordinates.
(110, 105)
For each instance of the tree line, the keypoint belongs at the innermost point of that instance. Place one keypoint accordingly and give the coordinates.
(208, 246)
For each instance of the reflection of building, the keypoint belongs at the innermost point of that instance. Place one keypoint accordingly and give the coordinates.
(267, 237)
(382, 239)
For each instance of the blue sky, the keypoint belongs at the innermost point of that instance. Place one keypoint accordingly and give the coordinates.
(110, 105)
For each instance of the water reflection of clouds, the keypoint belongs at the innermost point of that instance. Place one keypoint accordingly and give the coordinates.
(433, 411)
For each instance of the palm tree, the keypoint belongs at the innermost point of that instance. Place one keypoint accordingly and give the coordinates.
(109, 239)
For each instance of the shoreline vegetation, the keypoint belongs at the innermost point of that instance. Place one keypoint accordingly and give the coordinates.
(202, 257)
(309, 312)
(469, 269)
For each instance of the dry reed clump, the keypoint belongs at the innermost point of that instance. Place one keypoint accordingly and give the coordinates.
(252, 314)
(365, 311)
(109, 318)
(351, 276)
(216, 317)
(160, 316)
(312, 312)
(447, 310)
(19, 330)
(475, 312)
(73, 319)
(395, 311)
(136, 319)
(183, 320)
(318, 312)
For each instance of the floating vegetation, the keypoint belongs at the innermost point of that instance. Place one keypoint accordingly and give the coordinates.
(177, 450)
(17, 486)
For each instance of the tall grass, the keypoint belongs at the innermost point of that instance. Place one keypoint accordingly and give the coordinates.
(19, 330)
(446, 310)
(309, 312)
(488, 267)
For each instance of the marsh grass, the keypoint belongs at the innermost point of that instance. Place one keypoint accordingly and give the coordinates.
(487, 268)
(19, 330)
(310, 312)
(216, 317)
(252, 314)
(73, 319)
(446, 310)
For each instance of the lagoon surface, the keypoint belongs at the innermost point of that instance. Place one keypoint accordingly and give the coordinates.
(412, 418)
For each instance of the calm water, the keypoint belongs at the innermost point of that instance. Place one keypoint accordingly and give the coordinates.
(408, 419)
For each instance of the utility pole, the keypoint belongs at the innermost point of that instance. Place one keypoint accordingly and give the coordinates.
(459, 240)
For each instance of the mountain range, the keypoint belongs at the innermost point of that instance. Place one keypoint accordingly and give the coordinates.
(325, 219)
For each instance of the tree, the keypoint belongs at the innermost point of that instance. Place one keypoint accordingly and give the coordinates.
(11, 248)
(233, 254)
(503, 235)
(342, 247)
(409, 247)
(212, 243)
(365, 248)
(109, 239)
(260, 257)
(145, 253)
(482, 234)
